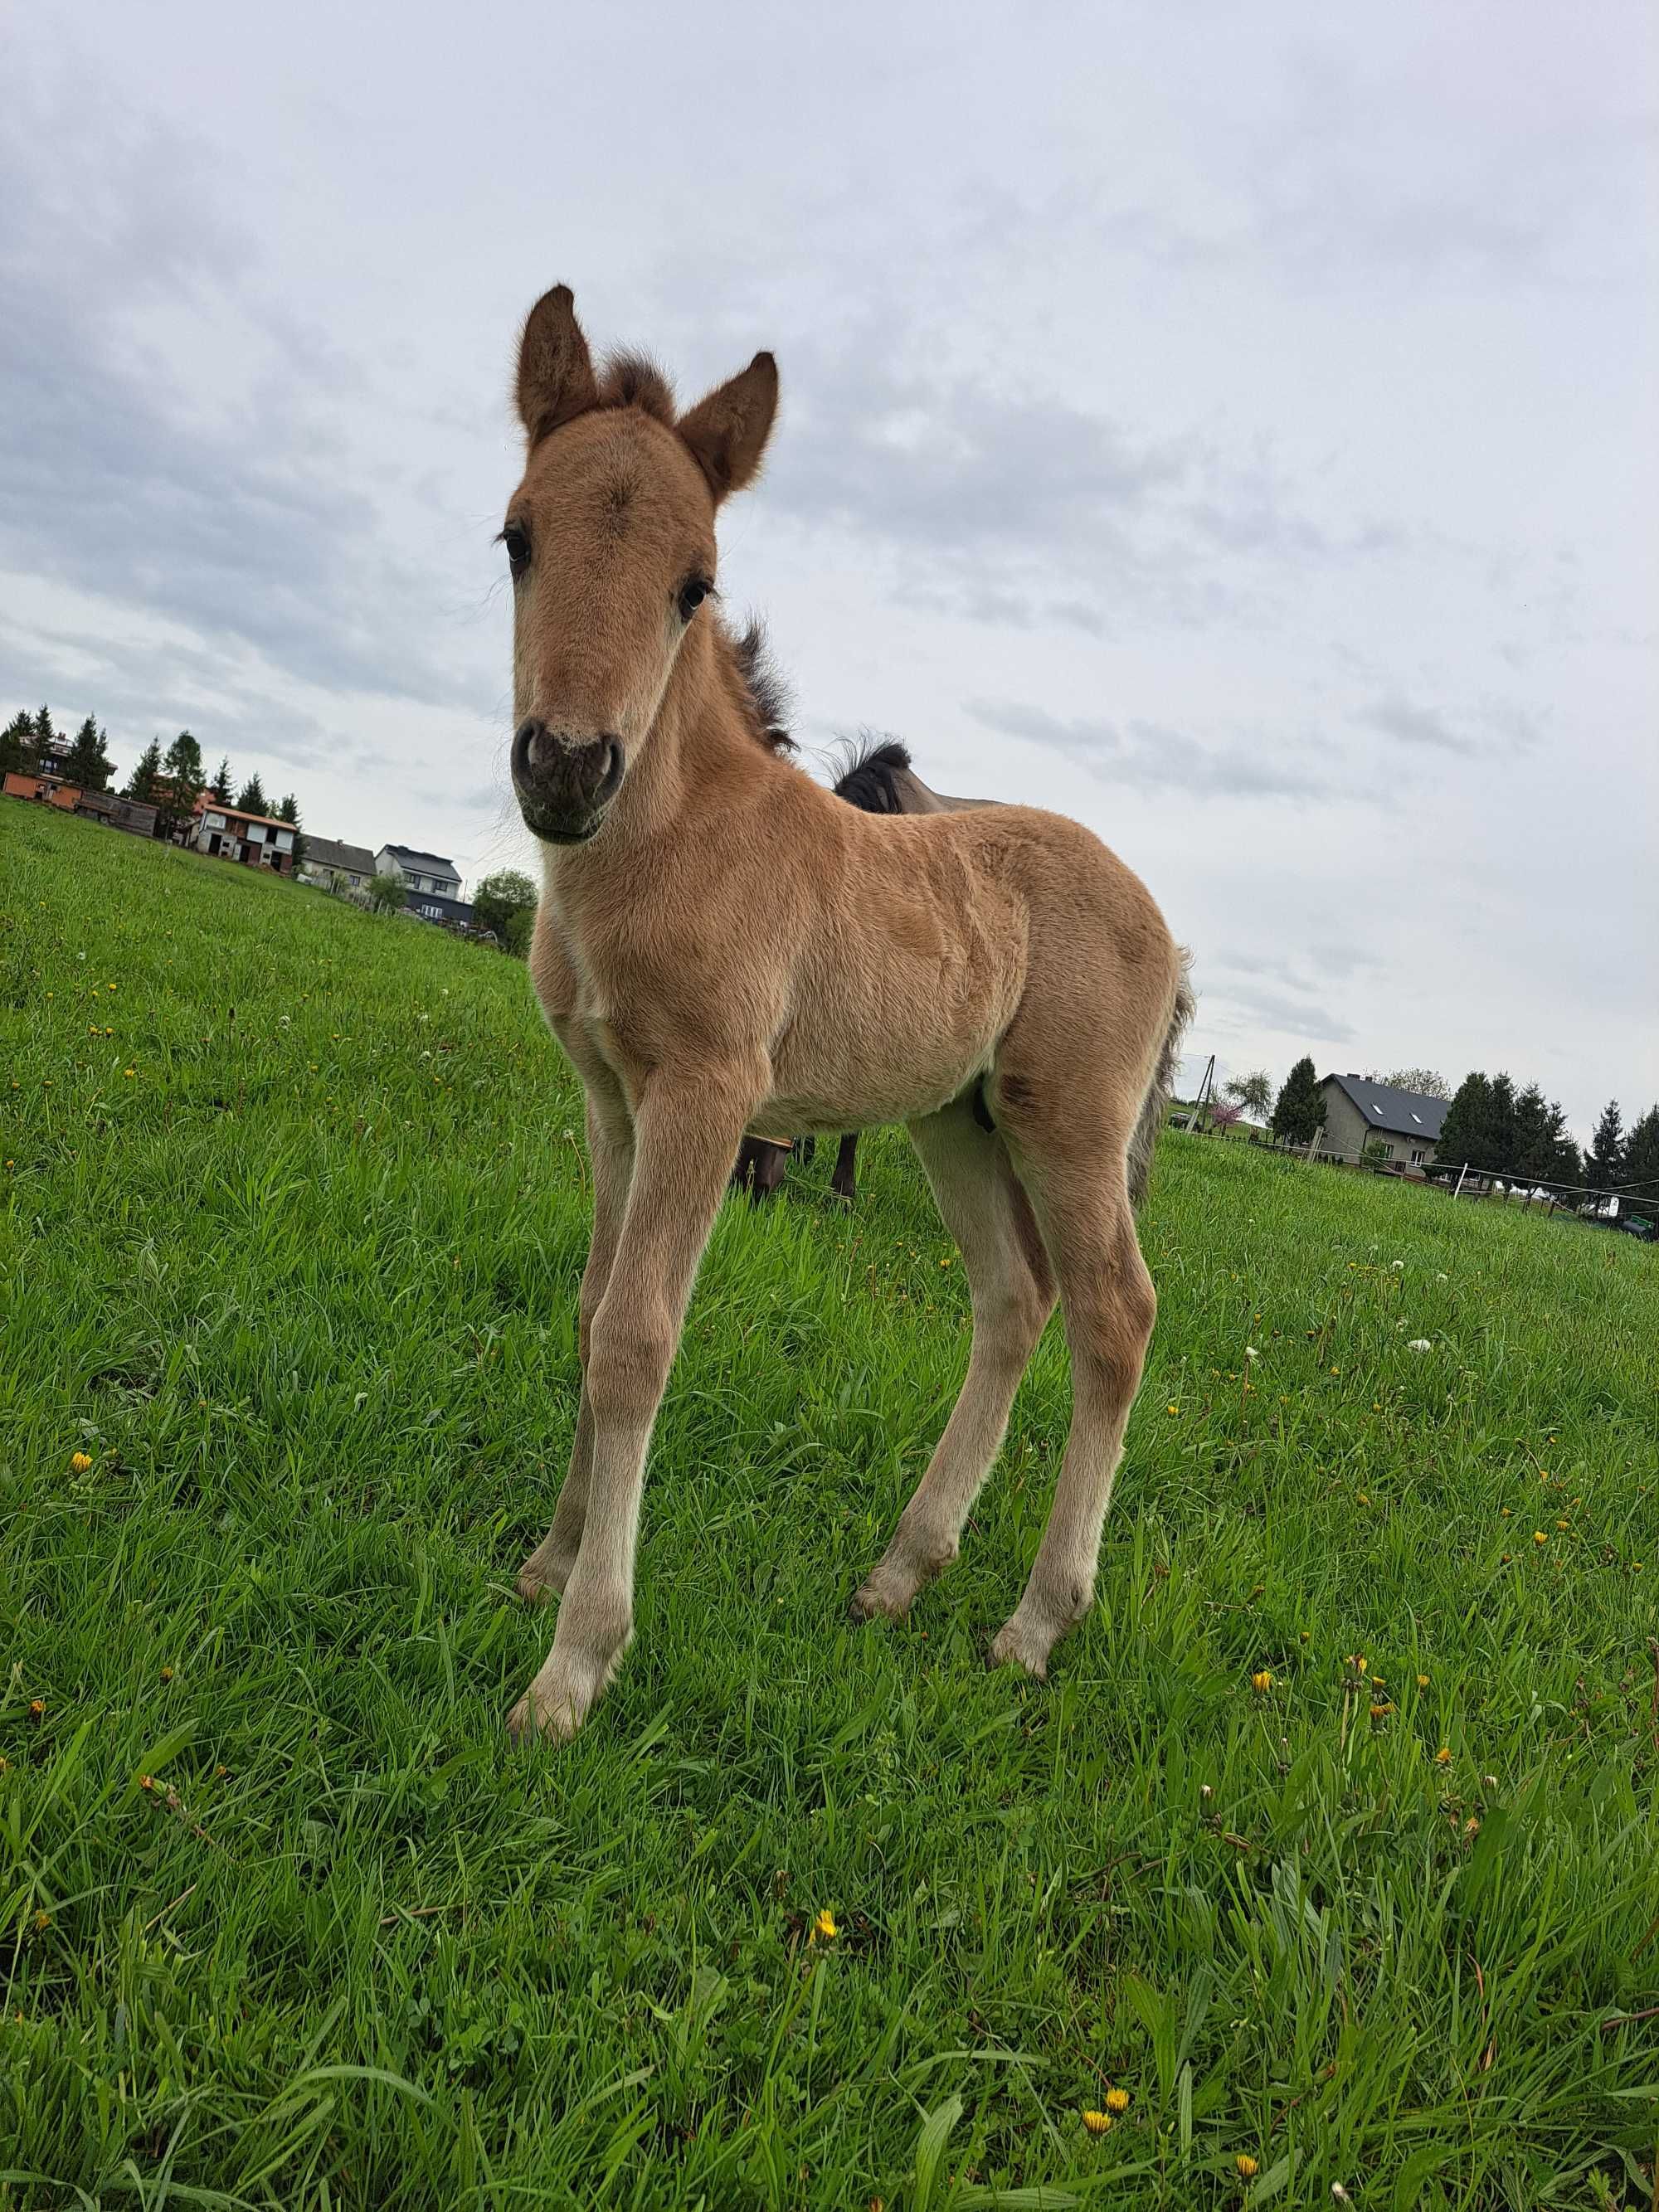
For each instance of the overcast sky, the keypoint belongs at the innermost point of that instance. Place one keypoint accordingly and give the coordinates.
(1233, 427)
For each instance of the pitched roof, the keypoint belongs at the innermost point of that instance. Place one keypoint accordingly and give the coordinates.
(429, 860)
(1402, 1112)
(206, 804)
(351, 860)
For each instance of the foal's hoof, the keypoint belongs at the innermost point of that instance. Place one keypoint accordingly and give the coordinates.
(526, 1721)
(874, 1600)
(1017, 1645)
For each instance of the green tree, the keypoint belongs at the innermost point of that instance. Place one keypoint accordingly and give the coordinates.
(45, 735)
(1503, 1135)
(1462, 1142)
(387, 893)
(146, 777)
(1426, 1082)
(221, 785)
(1300, 1110)
(1604, 1162)
(88, 763)
(253, 800)
(17, 745)
(1254, 1092)
(1544, 1152)
(288, 811)
(184, 778)
(499, 897)
(1642, 1161)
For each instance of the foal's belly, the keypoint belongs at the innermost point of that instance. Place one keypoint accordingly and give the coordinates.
(885, 1046)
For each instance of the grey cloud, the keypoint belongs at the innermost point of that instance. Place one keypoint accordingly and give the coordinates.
(248, 523)
(996, 504)
(1150, 756)
(1239, 1006)
(1498, 727)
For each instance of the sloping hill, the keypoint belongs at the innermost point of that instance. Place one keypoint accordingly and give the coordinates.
(294, 1213)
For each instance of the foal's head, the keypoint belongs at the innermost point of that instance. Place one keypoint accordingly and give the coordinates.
(610, 540)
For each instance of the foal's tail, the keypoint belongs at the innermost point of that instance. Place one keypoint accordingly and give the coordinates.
(1162, 1088)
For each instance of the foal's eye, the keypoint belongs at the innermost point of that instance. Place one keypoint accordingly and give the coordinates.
(518, 548)
(693, 591)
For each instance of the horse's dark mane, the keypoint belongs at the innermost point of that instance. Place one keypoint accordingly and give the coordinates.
(766, 694)
(866, 780)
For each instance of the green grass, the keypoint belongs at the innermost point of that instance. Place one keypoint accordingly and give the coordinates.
(284, 1922)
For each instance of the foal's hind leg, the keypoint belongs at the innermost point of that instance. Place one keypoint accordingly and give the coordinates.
(1013, 1294)
(1082, 1206)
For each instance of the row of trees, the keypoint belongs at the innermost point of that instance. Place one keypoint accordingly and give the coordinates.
(28, 741)
(1518, 1135)
(171, 781)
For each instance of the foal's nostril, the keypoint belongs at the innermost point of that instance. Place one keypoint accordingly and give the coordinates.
(613, 772)
(523, 737)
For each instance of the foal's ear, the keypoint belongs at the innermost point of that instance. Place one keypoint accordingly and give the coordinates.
(728, 432)
(556, 370)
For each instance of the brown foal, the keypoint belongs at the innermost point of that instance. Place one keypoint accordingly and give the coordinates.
(723, 945)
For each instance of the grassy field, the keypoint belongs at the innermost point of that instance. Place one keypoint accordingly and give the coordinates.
(294, 1213)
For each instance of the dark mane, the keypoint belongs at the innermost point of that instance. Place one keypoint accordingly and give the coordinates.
(766, 696)
(867, 780)
(633, 380)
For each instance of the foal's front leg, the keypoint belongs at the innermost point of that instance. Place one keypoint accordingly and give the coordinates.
(685, 1134)
(610, 1150)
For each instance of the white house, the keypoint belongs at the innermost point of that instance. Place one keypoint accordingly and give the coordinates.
(422, 871)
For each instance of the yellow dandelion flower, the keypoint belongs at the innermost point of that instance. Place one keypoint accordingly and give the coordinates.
(42, 1921)
(1422, 1681)
(1263, 1681)
(825, 1926)
(79, 1461)
(167, 1673)
(1172, 1409)
(1360, 1498)
(37, 1708)
(1442, 1757)
(147, 1782)
(1560, 1524)
(1380, 1712)
(1539, 1537)
(1117, 2100)
(1247, 2165)
(1097, 2122)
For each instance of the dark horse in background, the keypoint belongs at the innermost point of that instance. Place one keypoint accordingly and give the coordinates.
(877, 780)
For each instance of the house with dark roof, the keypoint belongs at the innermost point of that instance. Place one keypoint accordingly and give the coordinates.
(422, 871)
(1398, 1126)
(327, 858)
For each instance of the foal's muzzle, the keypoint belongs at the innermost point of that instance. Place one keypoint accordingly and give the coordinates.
(563, 785)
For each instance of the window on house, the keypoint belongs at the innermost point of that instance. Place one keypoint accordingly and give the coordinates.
(1387, 1150)
(1417, 1156)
